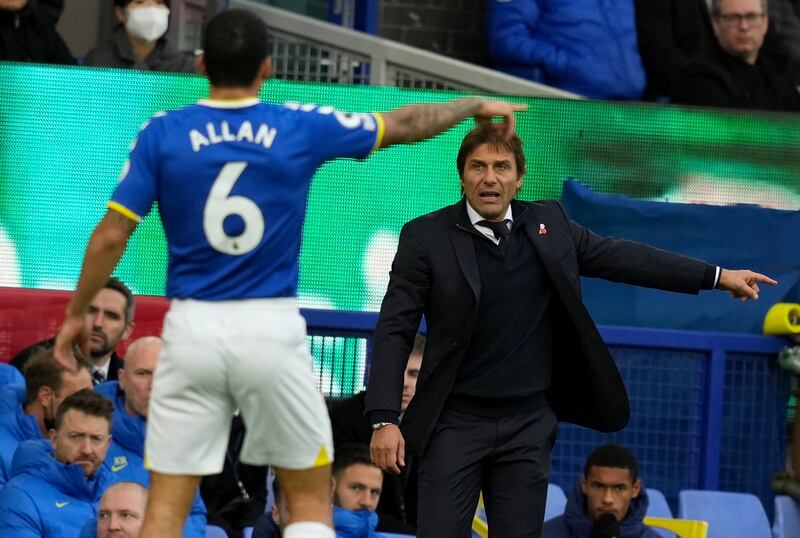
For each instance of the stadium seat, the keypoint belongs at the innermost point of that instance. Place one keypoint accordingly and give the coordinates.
(728, 514)
(212, 531)
(247, 532)
(787, 517)
(394, 535)
(683, 528)
(556, 502)
(658, 506)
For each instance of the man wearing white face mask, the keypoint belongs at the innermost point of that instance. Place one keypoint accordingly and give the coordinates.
(138, 41)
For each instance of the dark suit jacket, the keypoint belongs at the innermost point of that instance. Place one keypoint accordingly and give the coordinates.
(20, 359)
(435, 272)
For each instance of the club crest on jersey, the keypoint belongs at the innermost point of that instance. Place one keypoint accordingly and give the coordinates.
(223, 132)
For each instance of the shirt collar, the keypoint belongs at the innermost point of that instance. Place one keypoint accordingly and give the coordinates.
(474, 217)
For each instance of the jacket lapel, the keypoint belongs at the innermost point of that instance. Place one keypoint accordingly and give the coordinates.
(461, 236)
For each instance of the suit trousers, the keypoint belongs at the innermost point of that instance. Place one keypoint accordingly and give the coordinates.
(508, 458)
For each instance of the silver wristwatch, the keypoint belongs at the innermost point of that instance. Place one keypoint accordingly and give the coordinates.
(378, 425)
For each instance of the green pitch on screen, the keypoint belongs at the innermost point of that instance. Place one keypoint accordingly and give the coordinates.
(65, 133)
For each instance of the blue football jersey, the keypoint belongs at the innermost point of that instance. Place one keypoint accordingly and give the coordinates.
(231, 179)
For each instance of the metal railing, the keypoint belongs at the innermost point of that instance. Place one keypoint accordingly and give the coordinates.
(307, 49)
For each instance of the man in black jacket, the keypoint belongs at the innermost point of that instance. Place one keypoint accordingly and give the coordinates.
(737, 73)
(510, 346)
(28, 34)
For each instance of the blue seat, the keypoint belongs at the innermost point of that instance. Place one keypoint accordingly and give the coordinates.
(395, 535)
(728, 514)
(247, 532)
(787, 517)
(658, 506)
(556, 502)
(212, 531)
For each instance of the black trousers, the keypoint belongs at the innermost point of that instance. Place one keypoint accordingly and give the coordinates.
(507, 458)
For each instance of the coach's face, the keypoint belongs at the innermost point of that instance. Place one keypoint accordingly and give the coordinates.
(490, 180)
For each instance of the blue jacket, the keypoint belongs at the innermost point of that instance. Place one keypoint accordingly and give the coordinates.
(575, 524)
(125, 458)
(587, 47)
(15, 427)
(358, 524)
(348, 524)
(9, 375)
(46, 498)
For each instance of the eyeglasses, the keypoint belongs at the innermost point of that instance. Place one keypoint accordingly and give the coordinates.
(735, 19)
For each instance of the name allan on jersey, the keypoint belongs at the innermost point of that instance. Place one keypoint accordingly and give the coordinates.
(222, 132)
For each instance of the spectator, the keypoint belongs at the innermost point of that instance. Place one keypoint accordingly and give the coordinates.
(356, 492)
(131, 397)
(736, 74)
(609, 500)
(583, 46)
(121, 512)
(138, 40)
(29, 411)
(56, 484)
(110, 317)
(670, 33)
(397, 506)
(28, 34)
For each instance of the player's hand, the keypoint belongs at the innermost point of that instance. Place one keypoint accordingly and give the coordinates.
(742, 283)
(73, 333)
(388, 449)
(489, 109)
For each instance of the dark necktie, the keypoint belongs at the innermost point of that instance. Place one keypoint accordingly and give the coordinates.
(501, 232)
(98, 377)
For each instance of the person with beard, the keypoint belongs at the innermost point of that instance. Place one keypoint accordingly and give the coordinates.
(29, 413)
(28, 34)
(356, 490)
(138, 40)
(110, 318)
(608, 501)
(57, 483)
(130, 396)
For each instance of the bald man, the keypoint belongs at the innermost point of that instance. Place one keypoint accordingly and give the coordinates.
(131, 397)
(121, 511)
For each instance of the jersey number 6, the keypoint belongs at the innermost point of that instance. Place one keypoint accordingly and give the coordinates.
(220, 205)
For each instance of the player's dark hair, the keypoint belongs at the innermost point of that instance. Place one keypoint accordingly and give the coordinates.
(350, 454)
(481, 135)
(88, 402)
(615, 456)
(235, 43)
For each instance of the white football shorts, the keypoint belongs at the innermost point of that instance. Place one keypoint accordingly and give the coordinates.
(219, 356)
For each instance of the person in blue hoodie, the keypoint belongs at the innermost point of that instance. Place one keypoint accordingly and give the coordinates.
(131, 396)
(29, 413)
(56, 484)
(588, 47)
(608, 501)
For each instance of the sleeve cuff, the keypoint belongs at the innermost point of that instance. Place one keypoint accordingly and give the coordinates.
(711, 277)
(382, 415)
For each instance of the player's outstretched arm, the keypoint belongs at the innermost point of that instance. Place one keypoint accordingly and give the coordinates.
(742, 283)
(417, 122)
(103, 252)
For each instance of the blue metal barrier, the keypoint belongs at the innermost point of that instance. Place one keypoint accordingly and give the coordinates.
(708, 409)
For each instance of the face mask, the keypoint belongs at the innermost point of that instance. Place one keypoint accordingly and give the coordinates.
(147, 23)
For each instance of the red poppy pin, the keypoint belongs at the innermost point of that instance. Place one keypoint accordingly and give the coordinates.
(542, 229)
